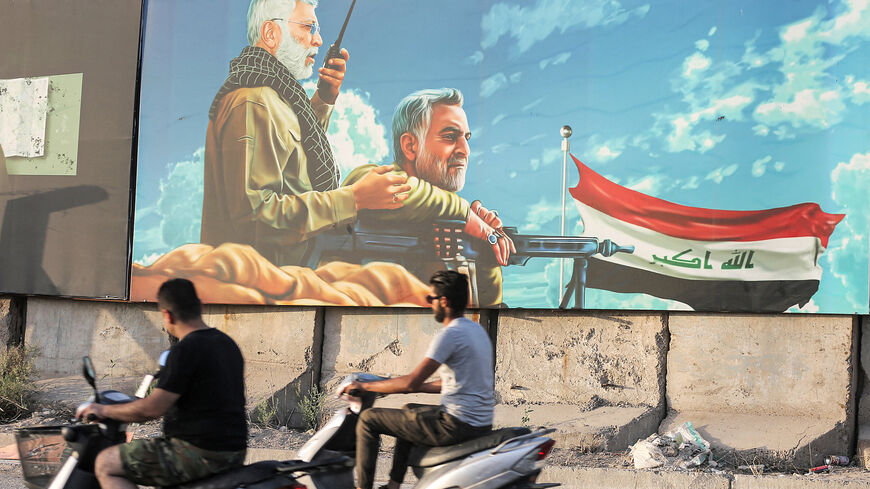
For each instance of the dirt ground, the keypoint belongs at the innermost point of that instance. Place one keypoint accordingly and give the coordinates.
(290, 439)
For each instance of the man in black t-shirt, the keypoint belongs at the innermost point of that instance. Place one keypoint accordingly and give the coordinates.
(201, 392)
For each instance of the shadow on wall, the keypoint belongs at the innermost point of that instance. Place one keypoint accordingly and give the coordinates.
(25, 225)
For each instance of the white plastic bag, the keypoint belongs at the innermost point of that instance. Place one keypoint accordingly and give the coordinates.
(646, 455)
(686, 435)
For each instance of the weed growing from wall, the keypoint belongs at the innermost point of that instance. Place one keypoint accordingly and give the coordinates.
(311, 407)
(267, 412)
(527, 412)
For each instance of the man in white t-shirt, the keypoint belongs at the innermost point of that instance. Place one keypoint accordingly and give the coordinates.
(466, 386)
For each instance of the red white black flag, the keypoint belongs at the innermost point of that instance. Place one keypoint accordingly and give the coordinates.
(710, 259)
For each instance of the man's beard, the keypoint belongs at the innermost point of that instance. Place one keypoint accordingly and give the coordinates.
(440, 314)
(437, 172)
(292, 54)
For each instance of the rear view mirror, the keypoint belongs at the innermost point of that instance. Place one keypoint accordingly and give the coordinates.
(90, 376)
(88, 372)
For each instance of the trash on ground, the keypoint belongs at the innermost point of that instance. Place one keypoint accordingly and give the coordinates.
(682, 448)
(754, 468)
(840, 460)
(647, 455)
(820, 469)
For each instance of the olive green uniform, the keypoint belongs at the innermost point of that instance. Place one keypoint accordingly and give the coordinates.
(256, 188)
(427, 203)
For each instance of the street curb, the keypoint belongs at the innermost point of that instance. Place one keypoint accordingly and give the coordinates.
(606, 478)
(259, 454)
(796, 482)
(610, 478)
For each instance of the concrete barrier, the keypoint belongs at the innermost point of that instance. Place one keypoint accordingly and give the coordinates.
(863, 446)
(12, 314)
(387, 342)
(381, 341)
(282, 348)
(773, 389)
(122, 339)
(597, 377)
(777, 390)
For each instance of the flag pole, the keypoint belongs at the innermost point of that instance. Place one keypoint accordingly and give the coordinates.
(566, 133)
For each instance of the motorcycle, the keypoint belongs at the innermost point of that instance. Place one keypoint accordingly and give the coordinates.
(508, 458)
(74, 448)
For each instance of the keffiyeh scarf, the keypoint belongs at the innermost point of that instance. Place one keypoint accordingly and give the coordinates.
(255, 67)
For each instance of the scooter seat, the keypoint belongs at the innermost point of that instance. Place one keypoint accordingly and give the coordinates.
(235, 477)
(423, 456)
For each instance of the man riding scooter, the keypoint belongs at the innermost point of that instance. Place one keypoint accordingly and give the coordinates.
(201, 392)
(466, 388)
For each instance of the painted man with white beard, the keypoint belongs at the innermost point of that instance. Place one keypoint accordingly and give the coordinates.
(431, 146)
(270, 177)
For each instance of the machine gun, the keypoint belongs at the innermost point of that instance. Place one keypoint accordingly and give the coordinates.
(445, 242)
(578, 248)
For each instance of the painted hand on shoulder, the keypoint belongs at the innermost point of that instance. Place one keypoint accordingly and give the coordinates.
(380, 188)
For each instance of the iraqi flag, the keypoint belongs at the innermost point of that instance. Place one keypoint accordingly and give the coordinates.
(712, 260)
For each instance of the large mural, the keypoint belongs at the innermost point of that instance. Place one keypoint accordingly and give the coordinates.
(596, 154)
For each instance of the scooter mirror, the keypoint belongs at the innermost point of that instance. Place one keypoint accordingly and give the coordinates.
(163, 357)
(88, 371)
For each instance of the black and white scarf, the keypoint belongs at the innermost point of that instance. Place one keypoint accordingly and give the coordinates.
(255, 67)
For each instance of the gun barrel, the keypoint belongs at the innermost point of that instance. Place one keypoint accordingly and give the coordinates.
(446, 241)
(555, 246)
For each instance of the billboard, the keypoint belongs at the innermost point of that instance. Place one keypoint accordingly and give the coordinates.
(66, 133)
(599, 155)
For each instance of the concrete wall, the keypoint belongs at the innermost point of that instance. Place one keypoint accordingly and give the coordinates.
(864, 376)
(122, 339)
(12, 314)
(585, 359)
(596, 376)
(793, 365)
(281, 345)
(740, 378)
(779, 390)
(381, 341)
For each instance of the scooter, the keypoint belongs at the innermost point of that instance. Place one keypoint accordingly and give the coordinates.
(41, 451)
(505, 458)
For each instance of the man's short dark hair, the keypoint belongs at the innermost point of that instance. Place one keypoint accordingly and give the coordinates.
(178, 296)
(453, 286)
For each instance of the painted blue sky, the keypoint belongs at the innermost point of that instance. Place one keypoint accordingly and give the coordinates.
(736, 105)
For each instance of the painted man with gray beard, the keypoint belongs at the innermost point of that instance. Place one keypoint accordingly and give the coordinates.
(431, 146)
(271, 180)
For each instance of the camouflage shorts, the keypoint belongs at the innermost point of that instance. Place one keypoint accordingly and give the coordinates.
(170, 461)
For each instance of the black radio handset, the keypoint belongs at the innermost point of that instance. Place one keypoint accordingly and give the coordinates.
(334, 50)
